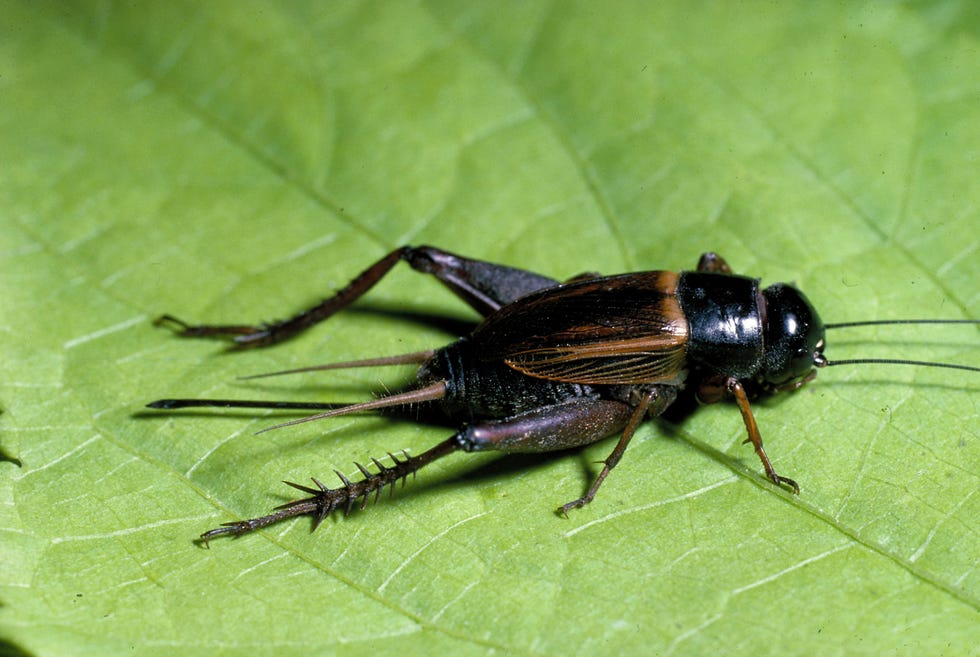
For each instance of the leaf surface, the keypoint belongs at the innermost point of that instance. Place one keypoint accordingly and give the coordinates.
(233, 162)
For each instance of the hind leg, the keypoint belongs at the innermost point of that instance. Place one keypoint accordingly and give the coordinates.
(555, 427)
(485, 286)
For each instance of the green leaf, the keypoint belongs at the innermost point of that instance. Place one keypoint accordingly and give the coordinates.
(238, 161)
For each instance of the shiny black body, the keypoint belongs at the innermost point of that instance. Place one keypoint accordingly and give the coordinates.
(555, 365)
(725, 322)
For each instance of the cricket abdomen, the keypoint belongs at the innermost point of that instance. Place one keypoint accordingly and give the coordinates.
(489, 390)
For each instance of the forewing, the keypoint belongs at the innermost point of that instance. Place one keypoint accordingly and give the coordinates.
(623, 329)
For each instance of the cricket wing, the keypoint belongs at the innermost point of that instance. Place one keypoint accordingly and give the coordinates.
(625, 329)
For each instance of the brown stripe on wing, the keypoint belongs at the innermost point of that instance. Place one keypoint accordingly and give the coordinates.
(569, 366)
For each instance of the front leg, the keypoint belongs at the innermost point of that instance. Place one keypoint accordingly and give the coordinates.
(735, 389)
(483, 285)
(714, 389)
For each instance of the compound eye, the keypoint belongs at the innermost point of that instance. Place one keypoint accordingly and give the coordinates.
(800, 363)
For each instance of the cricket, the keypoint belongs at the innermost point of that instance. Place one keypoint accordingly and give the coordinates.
(557, 365)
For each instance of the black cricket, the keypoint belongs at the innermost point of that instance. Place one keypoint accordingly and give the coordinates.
(559, 365)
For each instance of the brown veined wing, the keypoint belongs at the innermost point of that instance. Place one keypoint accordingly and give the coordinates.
(625, 329)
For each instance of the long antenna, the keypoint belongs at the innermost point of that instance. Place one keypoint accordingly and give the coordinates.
(879, 322)
(892, 361)
(820, 361)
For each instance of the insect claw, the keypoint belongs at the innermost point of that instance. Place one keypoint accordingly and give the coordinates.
(779, 481)
(565, 508)
(234, 528)
(171, 322)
